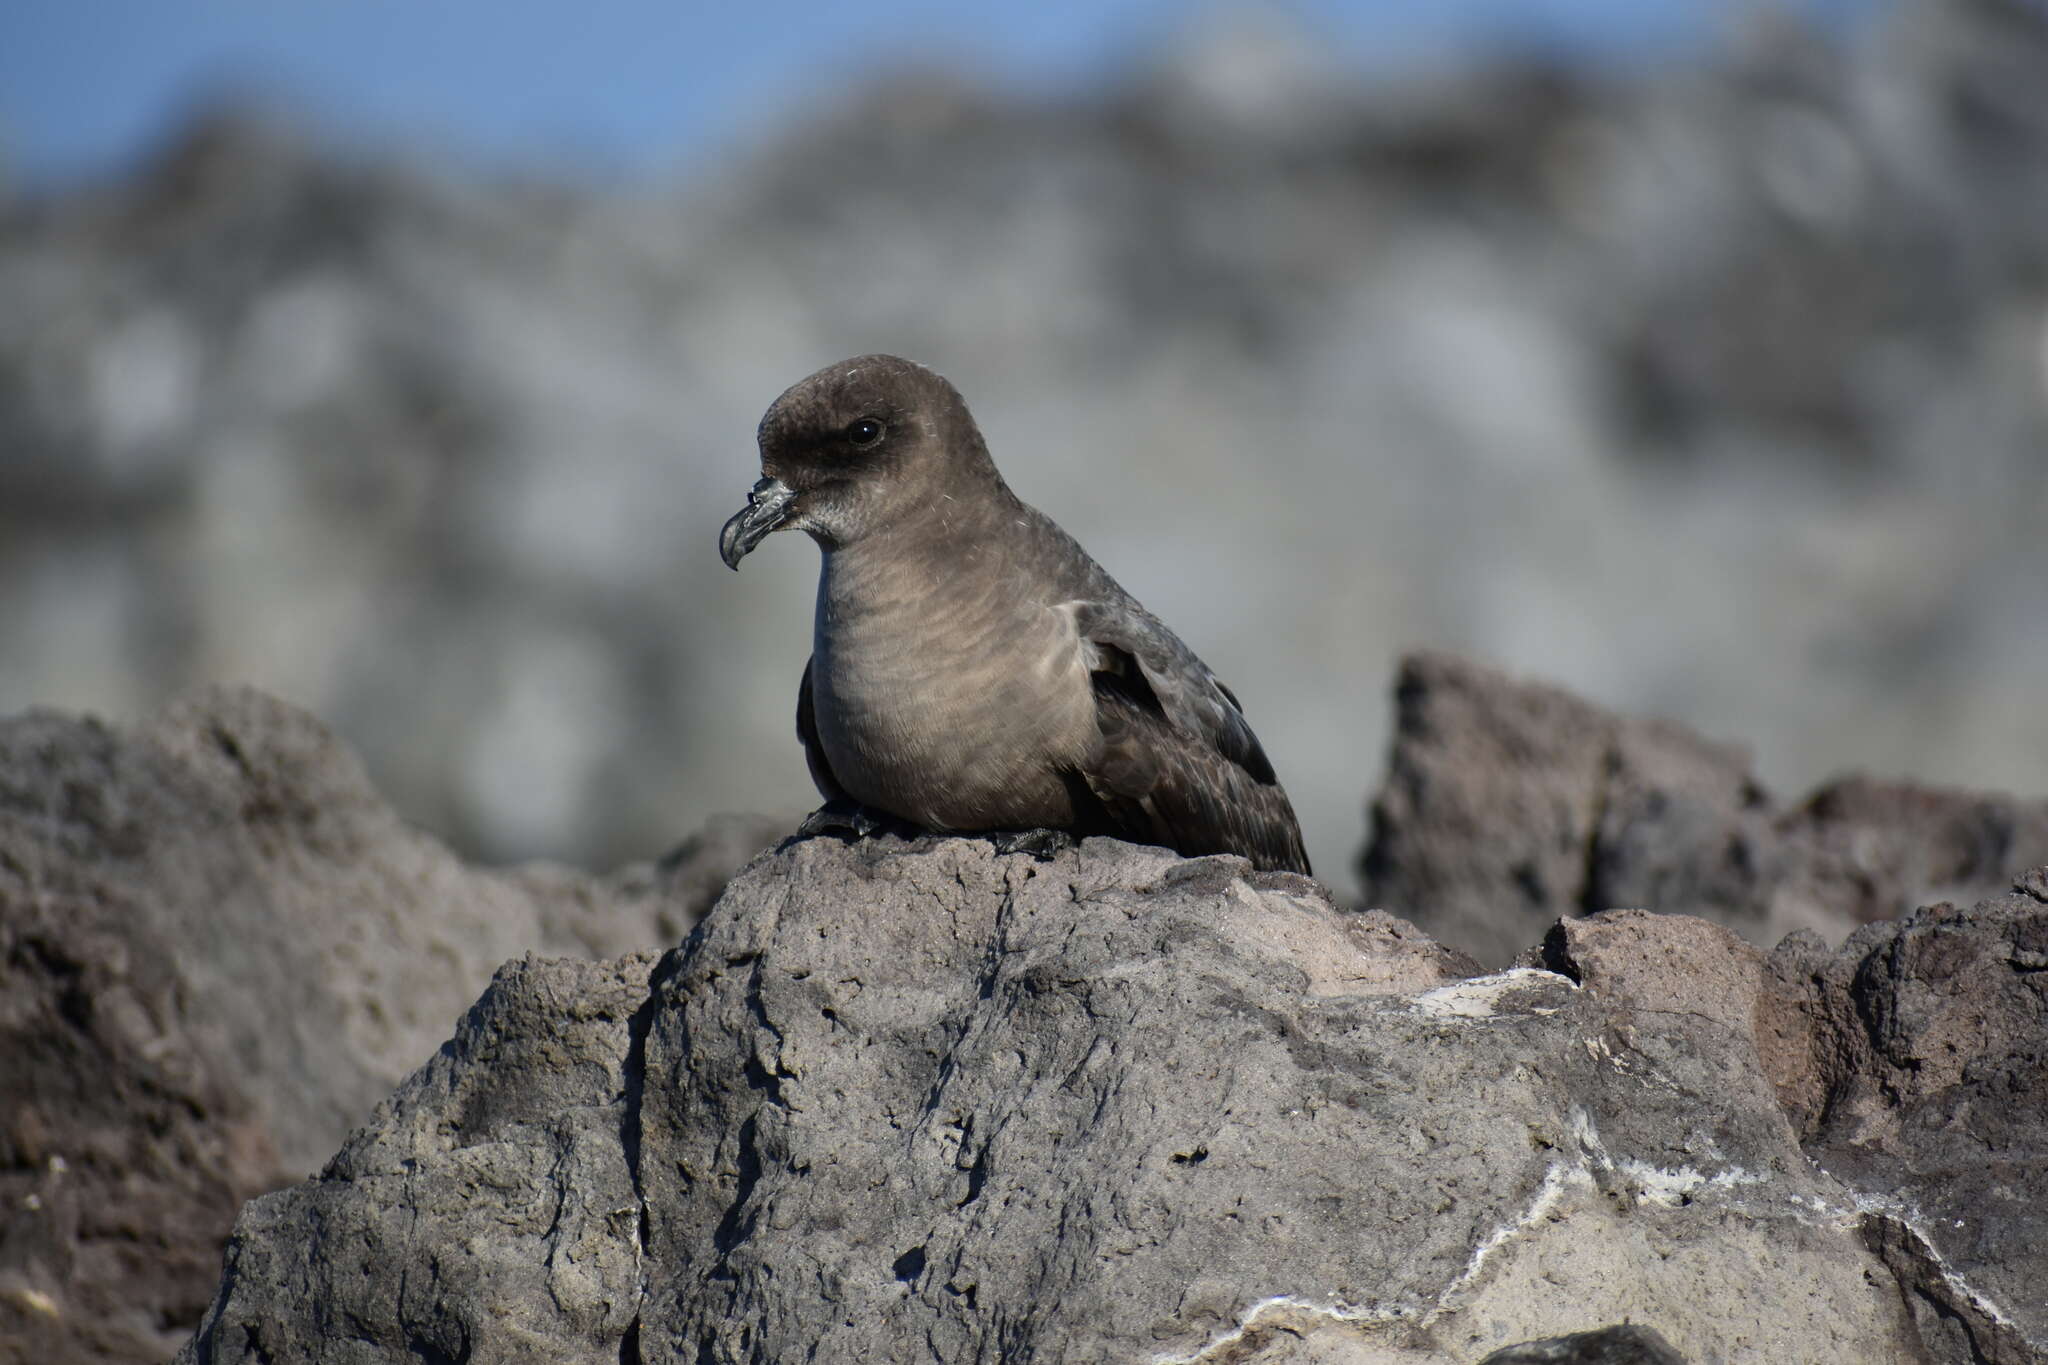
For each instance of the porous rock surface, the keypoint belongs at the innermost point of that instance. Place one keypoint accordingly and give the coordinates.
(1914, 1063)
(920, 1101)
(901, 1101)
(219, 949)
(1508, 803)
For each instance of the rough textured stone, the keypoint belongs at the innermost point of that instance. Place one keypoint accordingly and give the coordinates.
(219, 948)
(1922, 1084)
(1872, 850)
(920, 1101)
(917, 1100)
(1507, 804)
(487, 1211)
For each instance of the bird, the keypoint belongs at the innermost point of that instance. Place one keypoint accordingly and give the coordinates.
(973, 670)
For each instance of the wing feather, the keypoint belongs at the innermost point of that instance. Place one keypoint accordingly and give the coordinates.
(814, 752)
(1178, 763)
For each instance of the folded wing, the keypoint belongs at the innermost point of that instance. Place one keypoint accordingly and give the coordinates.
(1178, 764)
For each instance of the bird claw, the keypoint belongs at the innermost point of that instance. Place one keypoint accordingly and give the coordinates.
(845, 817)
(1041, 844)
(850, 819)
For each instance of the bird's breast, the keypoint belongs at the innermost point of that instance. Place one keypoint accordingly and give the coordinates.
(951, 706)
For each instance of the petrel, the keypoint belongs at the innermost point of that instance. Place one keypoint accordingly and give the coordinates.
(972, 669)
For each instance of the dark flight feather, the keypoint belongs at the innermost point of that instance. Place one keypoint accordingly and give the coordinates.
(807, 735)
(1198, 784)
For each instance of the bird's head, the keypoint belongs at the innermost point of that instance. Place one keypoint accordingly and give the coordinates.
(854, 449)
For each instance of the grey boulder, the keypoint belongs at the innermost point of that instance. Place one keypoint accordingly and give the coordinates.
(1914, 1063)
(920, 1101)
(1508, 803)
(219, 949)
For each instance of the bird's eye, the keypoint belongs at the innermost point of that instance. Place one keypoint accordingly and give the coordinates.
(864, 432)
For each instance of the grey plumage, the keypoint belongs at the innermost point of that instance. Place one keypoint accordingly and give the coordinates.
(972, 668)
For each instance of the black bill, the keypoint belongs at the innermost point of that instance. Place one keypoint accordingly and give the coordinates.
(767, 508)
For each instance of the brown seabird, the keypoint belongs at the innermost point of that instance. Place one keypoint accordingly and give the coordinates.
(972, 669)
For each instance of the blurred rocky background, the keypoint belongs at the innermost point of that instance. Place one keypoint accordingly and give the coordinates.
(1714, 387)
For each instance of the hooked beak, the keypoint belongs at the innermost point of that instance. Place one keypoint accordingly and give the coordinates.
(768, 506)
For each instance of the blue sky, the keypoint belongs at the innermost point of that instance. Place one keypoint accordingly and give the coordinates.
(637, 86)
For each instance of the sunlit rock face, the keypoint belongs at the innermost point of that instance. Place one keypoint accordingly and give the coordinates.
(1108, 1104)
(918, 1099)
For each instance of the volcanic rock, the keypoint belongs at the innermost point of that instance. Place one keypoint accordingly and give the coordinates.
(219, 949)
(1507, 804)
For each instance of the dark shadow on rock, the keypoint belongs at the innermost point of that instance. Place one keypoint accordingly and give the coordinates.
(1627, 1344)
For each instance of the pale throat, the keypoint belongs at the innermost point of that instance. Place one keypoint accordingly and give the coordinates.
(882, 599)
(908, 634)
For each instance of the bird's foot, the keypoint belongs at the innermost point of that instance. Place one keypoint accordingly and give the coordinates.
(850, 818)
(1041, 844)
